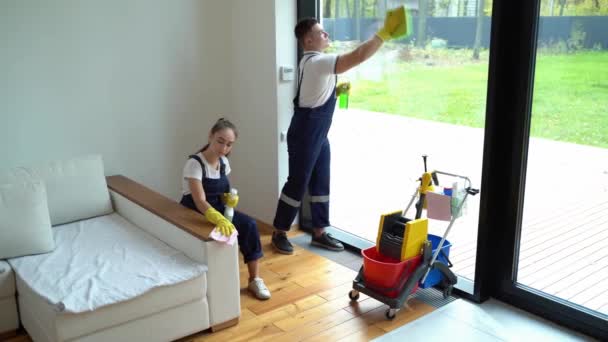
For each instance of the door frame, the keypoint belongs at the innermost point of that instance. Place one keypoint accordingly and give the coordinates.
(507, 134)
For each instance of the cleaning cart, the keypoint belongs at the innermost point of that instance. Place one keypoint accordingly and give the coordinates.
(406, 257)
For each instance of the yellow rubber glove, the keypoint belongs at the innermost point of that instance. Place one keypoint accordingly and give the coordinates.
(343, 88)
(395, 24)
(230, 199)
(225, 227)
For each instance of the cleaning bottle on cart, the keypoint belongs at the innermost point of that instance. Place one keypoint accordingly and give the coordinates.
(229, 210)
(458, 207)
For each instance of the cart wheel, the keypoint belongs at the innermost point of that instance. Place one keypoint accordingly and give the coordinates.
(390, 314)
(353, 295)
(447, 291)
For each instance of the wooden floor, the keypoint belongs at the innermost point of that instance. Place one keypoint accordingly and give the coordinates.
(309, 303)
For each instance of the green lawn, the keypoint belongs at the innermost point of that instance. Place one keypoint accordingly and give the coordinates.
(570, 94)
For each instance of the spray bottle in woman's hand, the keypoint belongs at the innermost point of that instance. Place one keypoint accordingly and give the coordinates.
(231, 200)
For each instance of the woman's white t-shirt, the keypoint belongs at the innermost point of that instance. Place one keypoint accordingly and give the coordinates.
(192, 169)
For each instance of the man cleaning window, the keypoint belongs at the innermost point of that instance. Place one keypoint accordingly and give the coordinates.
(307, 143)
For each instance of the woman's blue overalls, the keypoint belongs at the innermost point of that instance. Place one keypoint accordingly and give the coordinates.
(309, 161)
(249, 237)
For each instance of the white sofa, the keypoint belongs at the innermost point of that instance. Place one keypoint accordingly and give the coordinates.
(208, 300)
(9, 318)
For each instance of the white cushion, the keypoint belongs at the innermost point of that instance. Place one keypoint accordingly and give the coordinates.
(103, 261)
(25, 226)
(68, 326)
(76, 189)
(16, 175)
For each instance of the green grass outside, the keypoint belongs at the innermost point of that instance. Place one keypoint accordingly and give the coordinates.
(570, 93)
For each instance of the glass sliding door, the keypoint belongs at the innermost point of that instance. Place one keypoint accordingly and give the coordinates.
(422, 94)
(543, 223)
(563, 248)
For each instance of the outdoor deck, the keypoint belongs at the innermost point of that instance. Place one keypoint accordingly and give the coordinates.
(376, 160)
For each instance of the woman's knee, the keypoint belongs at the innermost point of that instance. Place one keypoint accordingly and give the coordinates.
(245, 224)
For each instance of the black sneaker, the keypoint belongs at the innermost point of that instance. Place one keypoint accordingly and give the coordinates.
(328, 242)
(281, 244)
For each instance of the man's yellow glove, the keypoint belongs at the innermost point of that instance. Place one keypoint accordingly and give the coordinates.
(230, 200)
(343, 88)
(225, 227)
(395, 24)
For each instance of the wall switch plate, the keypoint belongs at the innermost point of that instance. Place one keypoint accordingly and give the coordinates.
(287, 73)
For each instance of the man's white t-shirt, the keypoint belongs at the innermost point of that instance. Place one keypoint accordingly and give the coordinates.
(317, 72)
(192, 169)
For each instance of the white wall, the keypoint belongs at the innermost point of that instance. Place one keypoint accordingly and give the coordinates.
(262, 40)
(142, 81)
(138, 81)
(286, 20)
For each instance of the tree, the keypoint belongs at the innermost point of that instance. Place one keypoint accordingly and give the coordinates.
(562, 4)
(478, 30)
(422, 13)
(336, 15)
(327, 9)
(357, 18)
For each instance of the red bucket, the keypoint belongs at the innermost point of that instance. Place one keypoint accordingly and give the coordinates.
(385, 274)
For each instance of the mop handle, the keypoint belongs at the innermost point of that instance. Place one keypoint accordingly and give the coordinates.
(411, 201)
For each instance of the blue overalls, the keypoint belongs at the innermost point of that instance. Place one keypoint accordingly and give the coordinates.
(249, 237)
(309, 161)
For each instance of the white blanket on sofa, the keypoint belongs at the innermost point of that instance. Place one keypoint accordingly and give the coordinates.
(102, 261)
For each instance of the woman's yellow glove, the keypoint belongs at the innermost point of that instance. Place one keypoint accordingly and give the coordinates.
(395, 24)
(224, 226)
(230, 200)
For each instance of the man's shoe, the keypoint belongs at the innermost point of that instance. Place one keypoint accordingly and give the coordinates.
(259, 289)
(326, 241)
(281, 244)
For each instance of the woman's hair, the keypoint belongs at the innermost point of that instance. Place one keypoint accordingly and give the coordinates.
(219, 125)
(303, 27)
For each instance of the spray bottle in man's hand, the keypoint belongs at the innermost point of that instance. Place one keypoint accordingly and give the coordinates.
(343, 92)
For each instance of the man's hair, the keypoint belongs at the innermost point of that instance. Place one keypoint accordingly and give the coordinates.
(303, 27)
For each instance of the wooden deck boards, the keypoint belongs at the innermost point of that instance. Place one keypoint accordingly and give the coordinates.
(564, 241)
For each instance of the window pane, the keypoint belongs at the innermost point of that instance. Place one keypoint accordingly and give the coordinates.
(564, 240)
(422, 94)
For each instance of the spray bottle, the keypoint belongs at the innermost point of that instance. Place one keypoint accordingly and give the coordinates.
(229, 211)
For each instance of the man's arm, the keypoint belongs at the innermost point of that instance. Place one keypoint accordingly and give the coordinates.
(363, 52)
(395, 24)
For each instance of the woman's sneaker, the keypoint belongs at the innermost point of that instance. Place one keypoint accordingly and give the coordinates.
(259, 289)
(326, 241)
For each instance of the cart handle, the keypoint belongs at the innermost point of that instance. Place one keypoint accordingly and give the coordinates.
(467, 183)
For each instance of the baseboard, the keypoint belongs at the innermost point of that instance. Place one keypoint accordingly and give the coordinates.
(268, 228)
(264, 227)
(8, 334)
(225, 325)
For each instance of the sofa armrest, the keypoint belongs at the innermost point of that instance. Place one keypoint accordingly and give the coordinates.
(183, 218)
(188, 231)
